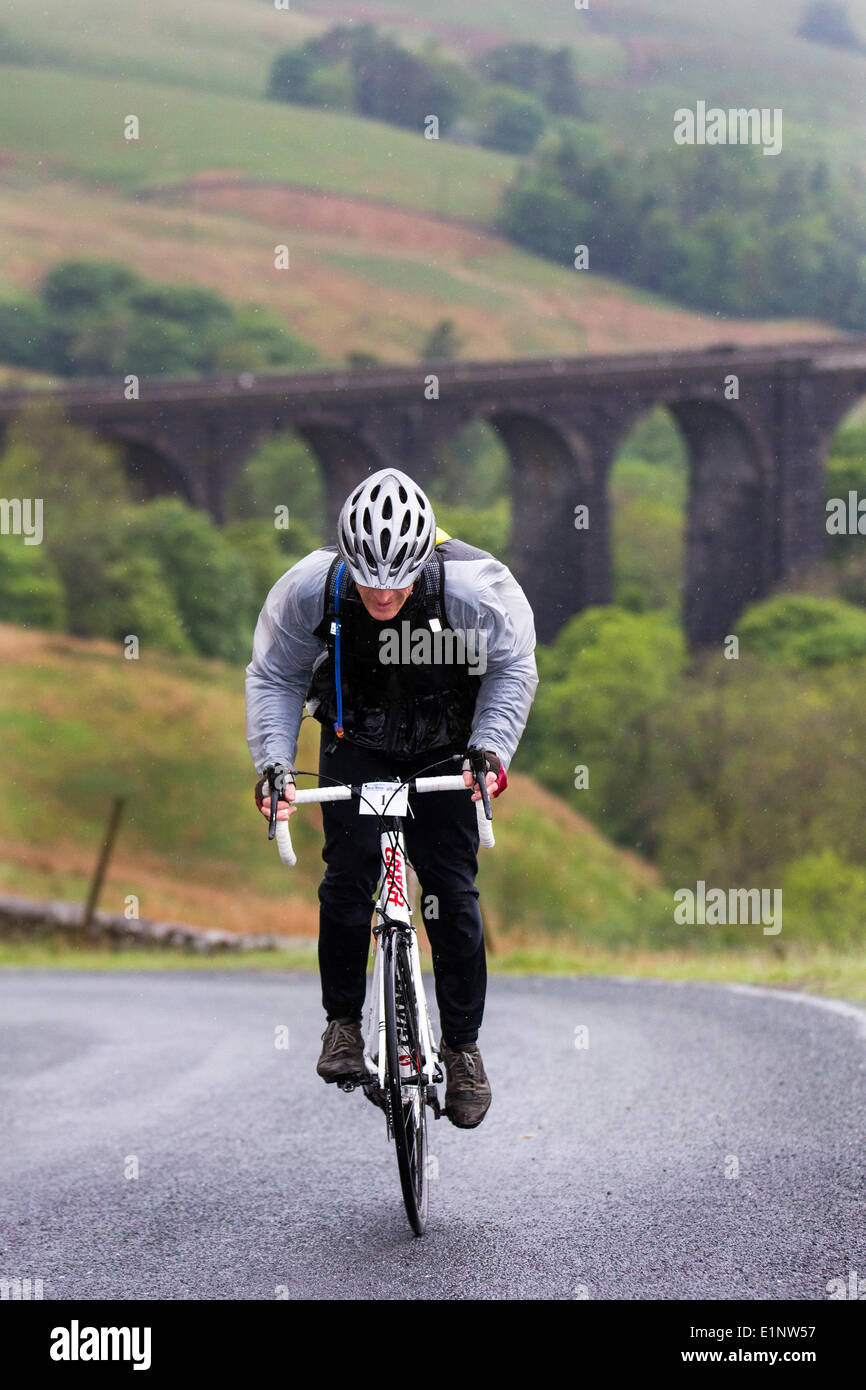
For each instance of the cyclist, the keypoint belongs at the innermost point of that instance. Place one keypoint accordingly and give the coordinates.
(322, 638)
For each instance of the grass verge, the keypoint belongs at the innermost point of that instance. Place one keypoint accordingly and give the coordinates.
(827, 973)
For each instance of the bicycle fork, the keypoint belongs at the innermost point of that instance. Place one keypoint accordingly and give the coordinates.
(394, 923)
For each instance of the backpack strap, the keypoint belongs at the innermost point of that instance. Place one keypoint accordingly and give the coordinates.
(434, 591)
(330, 594)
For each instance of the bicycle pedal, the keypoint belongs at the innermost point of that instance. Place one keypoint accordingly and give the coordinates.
(432, 1098)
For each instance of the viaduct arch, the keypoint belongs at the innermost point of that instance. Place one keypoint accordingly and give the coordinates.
(756, 453)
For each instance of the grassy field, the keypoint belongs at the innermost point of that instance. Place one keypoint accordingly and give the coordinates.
(66, 123)
(215, 45)
(388, 232)
(638, 62)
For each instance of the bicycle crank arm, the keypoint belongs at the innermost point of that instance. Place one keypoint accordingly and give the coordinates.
(369, 1085)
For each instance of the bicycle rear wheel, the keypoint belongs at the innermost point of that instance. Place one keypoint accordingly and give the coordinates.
(406, 1102)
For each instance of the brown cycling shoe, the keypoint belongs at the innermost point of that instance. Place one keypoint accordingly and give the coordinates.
(343, 1052)
(467, 1094)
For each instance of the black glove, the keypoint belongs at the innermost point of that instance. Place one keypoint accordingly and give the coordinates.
(277, 775)
(493, 763)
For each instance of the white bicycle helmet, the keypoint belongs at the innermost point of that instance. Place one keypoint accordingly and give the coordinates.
(386, 531)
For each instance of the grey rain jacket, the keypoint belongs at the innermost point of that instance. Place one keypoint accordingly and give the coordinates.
(481, 595)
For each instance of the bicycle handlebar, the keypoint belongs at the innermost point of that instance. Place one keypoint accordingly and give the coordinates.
(345, 793)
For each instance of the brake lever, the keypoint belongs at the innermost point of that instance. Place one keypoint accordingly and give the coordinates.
(275, 778)
(478, 763)
(272, 823)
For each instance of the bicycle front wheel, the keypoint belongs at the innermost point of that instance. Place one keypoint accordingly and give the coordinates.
(406, 1092)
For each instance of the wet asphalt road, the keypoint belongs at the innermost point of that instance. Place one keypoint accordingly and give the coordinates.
(698, 1142)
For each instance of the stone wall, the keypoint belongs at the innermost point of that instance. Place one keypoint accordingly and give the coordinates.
(23, 919)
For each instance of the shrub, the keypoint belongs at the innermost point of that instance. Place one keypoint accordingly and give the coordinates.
(30, 592)
(824, 899)
(601, 681)
(487, 527)
(512, 121)
(802, 630)
(210, 581)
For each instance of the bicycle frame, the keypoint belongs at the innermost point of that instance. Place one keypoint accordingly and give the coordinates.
(394, 915)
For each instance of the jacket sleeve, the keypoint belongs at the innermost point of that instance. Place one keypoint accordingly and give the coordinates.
(285, 649)
(488, 599)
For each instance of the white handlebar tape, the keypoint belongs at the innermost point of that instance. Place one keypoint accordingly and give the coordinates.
(341, 793)
(485, 827)
(452, 783)
(284, 844)
(344, 793)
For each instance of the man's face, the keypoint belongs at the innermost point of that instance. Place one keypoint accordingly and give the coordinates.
(383, 603)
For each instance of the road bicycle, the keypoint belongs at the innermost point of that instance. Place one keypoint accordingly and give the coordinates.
(401, 1060)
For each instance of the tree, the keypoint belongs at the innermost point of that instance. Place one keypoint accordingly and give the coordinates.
(332, 88)
(95, 318)
(261, 340)
(561, 90)
(545, 219)
(79, 478)
(76, 287)
(30, 592)
(291, 72)
(281, 472)
(442, 342)
(547, 75)
(601, 680)
(515, 64)
(109, 587)
(114, 588)
(512, 121)
(28, 336)
(209, 580)
(756, 763)
(486, 527)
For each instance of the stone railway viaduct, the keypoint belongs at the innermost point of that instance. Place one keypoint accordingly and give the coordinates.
(756, 512)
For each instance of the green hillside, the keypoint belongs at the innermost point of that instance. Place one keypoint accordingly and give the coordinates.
(388, 232)
(638, 61)
(74, 124)
(83, 725)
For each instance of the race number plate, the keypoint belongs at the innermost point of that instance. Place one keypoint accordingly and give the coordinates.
(383, 799)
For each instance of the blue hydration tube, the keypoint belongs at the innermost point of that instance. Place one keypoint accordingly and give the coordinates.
(338, 723)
